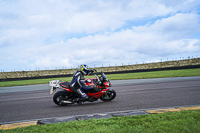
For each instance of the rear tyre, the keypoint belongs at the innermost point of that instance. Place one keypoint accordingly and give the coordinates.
(108, 96)
(60, 95)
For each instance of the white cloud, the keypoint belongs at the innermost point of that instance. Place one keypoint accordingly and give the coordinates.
(67, 33)
(182, 25)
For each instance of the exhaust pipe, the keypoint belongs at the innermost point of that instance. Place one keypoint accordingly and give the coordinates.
(65, 101)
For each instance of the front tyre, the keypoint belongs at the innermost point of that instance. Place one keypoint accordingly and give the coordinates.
(58, 96)
(108, 96)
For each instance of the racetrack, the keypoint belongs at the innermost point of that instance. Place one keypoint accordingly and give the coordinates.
(34, 102)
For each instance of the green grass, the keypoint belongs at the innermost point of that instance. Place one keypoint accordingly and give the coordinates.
(139, 75)
(156, 74)
(173, 122)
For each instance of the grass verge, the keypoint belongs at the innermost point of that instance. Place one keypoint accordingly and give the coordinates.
(139, 75)
(184, 121)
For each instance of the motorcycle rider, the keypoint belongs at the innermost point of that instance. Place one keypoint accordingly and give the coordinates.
(77, 81)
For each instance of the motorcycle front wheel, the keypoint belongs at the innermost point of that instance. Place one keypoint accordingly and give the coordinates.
(108, 96)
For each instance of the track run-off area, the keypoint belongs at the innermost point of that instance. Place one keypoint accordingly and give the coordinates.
(34, 102)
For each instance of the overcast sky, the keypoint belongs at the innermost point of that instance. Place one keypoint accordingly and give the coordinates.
(50, 34)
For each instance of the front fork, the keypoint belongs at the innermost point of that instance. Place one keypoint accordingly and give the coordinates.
(107, 91)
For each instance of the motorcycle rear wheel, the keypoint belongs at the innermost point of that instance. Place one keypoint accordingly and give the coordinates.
(58, 96)
(108, 96)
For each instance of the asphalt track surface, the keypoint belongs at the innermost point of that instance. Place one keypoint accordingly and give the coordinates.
(34, 101)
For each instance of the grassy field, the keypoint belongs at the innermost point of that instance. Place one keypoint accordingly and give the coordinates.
(139, 75)
(173, 122)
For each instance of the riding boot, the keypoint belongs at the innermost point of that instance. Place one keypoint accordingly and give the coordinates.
(83, 95)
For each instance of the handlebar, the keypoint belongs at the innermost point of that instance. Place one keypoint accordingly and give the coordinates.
(94, 71)
(99, 81)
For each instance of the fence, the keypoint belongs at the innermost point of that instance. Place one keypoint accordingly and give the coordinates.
(102, 65)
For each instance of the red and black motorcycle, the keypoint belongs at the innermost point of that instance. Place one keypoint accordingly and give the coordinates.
(66, 96)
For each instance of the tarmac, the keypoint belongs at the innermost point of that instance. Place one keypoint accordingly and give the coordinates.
(19, 124)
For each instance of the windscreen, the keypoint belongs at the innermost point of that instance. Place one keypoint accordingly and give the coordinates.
(104, 77)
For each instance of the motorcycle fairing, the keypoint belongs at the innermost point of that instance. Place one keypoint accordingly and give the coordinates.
(90, 92)
(90, 81)
(66, 86)
(97, 94)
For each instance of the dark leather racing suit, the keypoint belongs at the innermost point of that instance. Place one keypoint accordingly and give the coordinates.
(77, 84)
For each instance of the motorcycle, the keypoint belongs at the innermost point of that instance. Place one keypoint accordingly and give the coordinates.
(66, 96)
